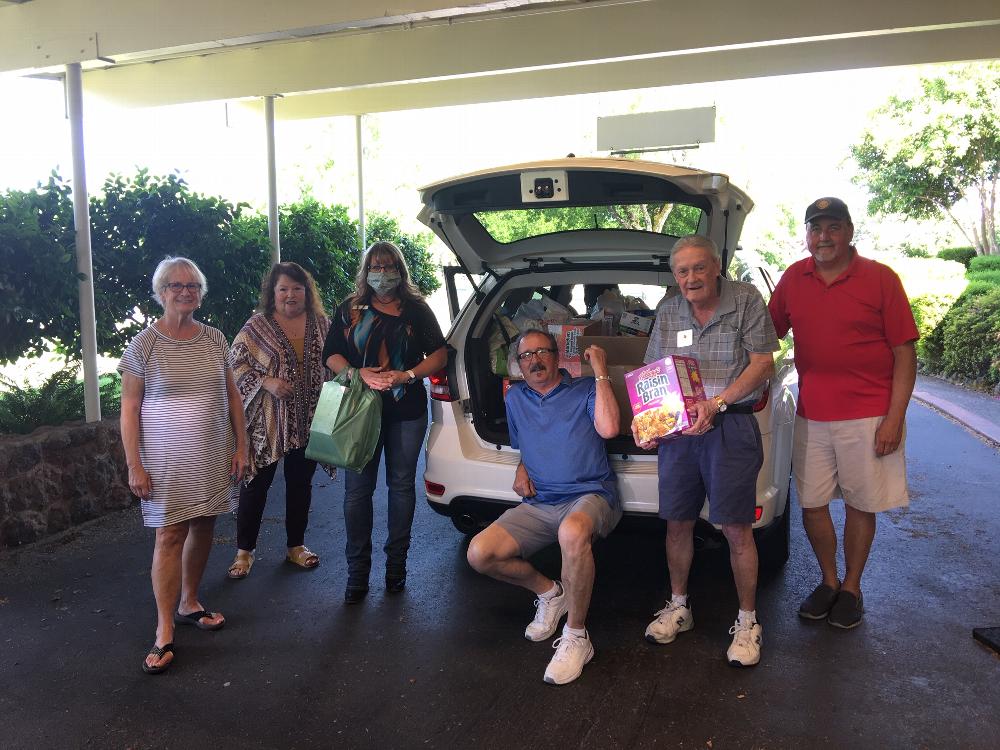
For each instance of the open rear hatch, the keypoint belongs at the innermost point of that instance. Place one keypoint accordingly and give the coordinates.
(581, 210)
(586, 217)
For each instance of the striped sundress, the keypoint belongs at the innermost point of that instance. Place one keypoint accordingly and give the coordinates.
(186, 440)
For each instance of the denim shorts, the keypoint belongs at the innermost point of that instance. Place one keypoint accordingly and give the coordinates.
(722, 464)
(535, 526)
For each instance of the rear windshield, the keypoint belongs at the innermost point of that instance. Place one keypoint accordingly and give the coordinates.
(511, 225)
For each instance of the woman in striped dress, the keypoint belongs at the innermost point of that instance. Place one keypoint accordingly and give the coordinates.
(185, 443)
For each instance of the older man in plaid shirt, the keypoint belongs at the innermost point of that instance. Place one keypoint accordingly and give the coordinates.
(725, 326)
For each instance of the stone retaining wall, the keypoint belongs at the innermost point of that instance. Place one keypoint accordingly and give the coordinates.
(58, 477)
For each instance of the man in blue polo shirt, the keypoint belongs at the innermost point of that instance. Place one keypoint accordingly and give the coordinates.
(559, 424)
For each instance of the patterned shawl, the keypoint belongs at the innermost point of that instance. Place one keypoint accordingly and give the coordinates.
(277, 426)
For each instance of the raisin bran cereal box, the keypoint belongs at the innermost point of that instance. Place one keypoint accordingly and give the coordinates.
(661, 393)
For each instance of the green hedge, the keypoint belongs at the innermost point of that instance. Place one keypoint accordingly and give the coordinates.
(966, 344)
(928, 311)
(991, 278)
(984, 263)
(963, 255)
(979, 287)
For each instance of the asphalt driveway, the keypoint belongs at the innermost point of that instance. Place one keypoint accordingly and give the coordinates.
(445, 665)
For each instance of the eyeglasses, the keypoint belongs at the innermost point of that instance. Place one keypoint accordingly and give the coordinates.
(191, 286)
(389, 267)
(525, 356)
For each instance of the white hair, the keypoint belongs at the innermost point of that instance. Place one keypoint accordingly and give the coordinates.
(696, 240)
(161, 276)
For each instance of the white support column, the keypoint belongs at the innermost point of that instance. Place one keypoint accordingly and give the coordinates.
(84, 262)
(359, 139)
(272, 182)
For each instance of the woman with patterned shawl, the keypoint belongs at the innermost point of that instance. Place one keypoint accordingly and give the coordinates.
(386, 335)
(278, 363)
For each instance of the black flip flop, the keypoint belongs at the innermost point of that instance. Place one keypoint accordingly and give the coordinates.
(158, 652)
(195, 619)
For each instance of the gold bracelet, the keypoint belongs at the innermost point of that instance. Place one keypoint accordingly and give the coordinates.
(599, 378)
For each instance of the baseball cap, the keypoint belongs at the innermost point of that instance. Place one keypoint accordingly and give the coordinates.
(832, 207)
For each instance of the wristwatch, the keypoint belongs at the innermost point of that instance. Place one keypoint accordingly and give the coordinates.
(721, 403)
(411, 376)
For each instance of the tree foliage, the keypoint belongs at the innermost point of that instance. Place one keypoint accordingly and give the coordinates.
(38, 280)
(926, 154)
(324, 240)
(517, 224)
(136, 221)
(140, 220)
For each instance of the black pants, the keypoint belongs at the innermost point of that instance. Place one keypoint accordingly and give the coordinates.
(298, 497)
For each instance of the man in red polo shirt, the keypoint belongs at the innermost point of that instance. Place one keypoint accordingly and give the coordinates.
(854, 335)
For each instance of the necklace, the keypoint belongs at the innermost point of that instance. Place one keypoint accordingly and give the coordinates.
(166, 329)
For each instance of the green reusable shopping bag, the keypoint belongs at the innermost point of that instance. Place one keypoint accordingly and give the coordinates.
(347, 423)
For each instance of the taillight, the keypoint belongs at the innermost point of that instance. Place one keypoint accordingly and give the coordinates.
(440, 390)
(762, 401)
(433, 488)
(758, 512)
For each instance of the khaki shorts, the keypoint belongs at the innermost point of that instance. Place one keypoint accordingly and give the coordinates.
(536, 525)
(837, 459)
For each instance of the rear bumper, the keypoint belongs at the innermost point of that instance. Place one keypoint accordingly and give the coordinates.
(485, 510)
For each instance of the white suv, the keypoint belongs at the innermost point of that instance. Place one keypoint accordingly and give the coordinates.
(553, 228)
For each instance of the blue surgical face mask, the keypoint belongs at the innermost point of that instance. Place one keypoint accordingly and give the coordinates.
(383, 282)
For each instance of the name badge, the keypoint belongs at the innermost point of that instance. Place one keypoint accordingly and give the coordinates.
(684, 338)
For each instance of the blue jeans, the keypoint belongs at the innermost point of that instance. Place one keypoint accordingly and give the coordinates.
(402, 442)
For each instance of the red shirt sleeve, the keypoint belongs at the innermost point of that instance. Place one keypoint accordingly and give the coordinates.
(779, 313)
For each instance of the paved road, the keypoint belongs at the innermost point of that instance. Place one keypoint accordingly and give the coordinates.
(976, 411)
(444, 664)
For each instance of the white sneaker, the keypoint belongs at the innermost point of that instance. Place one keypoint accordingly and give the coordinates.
(548, 612)
(671, 620)
(573, 652)
(745, 648)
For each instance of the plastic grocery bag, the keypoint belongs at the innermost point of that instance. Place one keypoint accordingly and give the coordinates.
(501, 336)
(347, 423)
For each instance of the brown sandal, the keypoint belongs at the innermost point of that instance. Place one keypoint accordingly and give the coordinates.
(303, 557)
(241, 565)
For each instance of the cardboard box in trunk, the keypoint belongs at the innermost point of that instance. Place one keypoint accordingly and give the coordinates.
(625, 353)
(567, 337)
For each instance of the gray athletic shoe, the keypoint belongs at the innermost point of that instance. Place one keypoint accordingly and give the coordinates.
(818, 604)
(847, 611)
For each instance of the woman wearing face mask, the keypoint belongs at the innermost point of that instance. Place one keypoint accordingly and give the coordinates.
(386, 335)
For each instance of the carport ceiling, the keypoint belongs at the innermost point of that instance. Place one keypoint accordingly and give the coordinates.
(353, 57)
